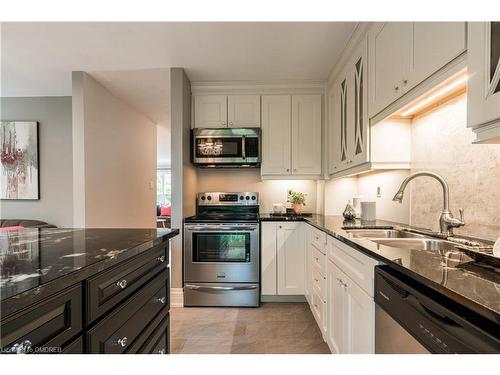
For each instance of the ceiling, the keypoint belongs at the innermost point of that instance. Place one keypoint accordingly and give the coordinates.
(132, 59)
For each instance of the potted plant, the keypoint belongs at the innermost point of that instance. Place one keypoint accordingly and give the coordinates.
(297, 199)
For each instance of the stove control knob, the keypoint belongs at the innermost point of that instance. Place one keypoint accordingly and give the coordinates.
(253, 197)
(203, 198)
(247, 197)
(209, 198)
(241, 197)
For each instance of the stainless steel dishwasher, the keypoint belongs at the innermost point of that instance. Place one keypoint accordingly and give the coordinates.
(411, 318)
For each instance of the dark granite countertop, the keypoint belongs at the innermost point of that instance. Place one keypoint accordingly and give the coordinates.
(35, 263)
(453, 273)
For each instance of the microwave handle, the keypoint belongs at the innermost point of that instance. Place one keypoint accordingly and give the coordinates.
(243, 151)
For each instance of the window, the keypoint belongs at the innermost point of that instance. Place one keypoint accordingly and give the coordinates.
(163, 187)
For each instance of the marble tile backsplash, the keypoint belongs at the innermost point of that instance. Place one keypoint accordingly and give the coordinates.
(442, 143)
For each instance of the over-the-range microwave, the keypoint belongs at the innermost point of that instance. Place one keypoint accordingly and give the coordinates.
(226, 147)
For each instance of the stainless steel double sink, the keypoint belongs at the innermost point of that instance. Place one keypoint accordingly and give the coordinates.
(402, 239)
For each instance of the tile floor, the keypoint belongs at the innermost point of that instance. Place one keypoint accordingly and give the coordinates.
(273, 328)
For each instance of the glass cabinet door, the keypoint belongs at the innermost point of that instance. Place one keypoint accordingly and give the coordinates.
(494, 56)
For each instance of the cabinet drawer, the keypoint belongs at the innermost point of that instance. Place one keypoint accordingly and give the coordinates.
(75, 347)
(319, 284)
(50, 323)
(109, 288)
(356, 265)
(157, 343)
(118, 332)
(318, 239)
(318, 308)
(319, 261)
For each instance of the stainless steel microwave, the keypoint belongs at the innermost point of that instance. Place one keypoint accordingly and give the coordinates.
(226, 147)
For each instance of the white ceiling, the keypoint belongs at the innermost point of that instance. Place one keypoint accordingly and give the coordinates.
(132, 59)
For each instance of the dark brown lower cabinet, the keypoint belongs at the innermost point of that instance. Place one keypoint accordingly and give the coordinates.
(122, 310)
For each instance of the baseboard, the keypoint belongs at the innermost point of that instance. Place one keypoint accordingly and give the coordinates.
(293, 298)
(176, 297)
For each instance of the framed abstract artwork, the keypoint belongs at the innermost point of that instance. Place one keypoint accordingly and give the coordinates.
(19, 175)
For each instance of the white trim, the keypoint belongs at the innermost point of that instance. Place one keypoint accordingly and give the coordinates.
(489, 133)
(176, 297)
(257, 87)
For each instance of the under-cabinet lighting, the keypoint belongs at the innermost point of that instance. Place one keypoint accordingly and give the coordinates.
(442, 92)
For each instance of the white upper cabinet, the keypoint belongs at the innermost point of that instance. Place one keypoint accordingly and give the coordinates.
(434, 45)
(243, 111)
(404, 54)
(349, 138)
(483, 86)
(390, 55)
(306, 134)
(291, 258)
(276, 134)
(210, 111)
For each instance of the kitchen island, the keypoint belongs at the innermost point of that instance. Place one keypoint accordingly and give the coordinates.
(85, 290)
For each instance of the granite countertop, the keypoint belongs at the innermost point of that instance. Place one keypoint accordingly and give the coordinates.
(453, 273)
(37, 262)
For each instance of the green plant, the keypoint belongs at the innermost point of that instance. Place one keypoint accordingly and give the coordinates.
(296, 197)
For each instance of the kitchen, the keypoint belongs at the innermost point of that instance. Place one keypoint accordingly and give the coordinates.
(355, 214)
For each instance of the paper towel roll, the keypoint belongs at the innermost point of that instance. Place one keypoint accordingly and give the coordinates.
(368, 211)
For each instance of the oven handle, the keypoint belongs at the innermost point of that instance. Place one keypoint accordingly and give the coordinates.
(221, 228)
(208, 288)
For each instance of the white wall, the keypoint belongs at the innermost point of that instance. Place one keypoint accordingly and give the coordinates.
(114, 174)
(55, 159)
(184, 174)
(270, 191)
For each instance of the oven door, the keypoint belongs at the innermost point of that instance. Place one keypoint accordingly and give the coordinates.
(226, 253)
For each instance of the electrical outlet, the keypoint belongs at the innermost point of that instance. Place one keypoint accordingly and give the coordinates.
(379, 193)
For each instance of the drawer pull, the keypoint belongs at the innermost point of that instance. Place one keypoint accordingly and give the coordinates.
(316, 280)
(22, 347)
(161, 300)
(161, 259)
(121, 284)
(122, 342)
(161, 351)
(317, 259)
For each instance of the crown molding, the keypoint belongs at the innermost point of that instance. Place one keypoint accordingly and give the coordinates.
(258, 87)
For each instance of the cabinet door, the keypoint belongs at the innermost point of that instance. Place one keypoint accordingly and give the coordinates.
(276, 134)
(306, 134)
(359, 319)
(390, 61)
(333, 129)
(243, 111)
(434, 45)
(210, 111)
(291, 259)
(357, 116)
(308, 263)
(268, 259)
(335, 315)
(483, 86)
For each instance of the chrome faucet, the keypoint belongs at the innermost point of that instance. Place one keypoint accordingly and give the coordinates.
(446, 221)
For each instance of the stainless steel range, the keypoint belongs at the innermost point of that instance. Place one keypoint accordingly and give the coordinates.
(221, 250)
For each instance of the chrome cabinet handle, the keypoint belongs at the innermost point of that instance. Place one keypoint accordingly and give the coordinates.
(161, 351)
(405, 81)
(161, 300)
(22, 347)
(161, 259)
(121, 284)
(396, 88)
(223, 123)
(230, 123)
(122, 342)
(288, 169)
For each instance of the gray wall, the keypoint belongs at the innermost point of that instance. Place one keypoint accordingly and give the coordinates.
(55, 157)
(184, 175)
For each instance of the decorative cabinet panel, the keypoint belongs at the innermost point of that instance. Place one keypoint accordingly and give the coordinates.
(306, 134)
(349, 137)
(276, 134)
(483, 87)
(390, 46)
(210, 111)
(243, 111)
(291, 259)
